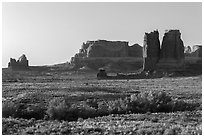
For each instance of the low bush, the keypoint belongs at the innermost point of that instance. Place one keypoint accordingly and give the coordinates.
(29, 111)
(136, 103)
(66, 109)
(22, 110)
(9, 109)
(180, 105)
(82, 110)
(58, 109)
(117, 106)
(159, 102)
(92, 103)
(69, 111)
(150, 102)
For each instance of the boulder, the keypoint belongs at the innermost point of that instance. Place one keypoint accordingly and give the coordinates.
(151, 50)
(172, 51)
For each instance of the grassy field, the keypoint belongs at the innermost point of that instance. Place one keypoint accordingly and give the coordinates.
(40, 87)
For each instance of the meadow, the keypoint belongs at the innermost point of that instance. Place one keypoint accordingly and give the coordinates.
(53, 101)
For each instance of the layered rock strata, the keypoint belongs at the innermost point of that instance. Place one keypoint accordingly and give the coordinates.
(103, 53)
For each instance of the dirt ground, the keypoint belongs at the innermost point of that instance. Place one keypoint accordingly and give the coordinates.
(84, 85)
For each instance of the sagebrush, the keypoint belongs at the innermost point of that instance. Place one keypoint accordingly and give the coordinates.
(64, 109)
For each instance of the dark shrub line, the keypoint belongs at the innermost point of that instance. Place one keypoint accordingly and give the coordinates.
(64, 109)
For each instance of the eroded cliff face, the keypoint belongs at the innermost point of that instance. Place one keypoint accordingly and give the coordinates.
(103, 48)
(103, 53)
(151, 50)
(20, 64)
(170, 56)
(172, 51)
(135, 51)
(172, 46)
(153, 56)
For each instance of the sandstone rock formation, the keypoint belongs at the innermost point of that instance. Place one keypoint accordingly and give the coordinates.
(135, 51)
(187, 50)
(195, 51)
(172, 51)
(103, 48)
(20, 64)
(151, 50)
(194, 57)
(101, 53)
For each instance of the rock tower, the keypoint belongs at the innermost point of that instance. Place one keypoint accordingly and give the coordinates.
(169, 57)
(172, 51)
(151, 50)
(20, 64)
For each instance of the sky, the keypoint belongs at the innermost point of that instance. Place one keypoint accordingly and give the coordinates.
(52, 32)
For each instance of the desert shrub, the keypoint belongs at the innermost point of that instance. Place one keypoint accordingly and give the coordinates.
(92, 103)
(29, 111)
(20, 110)
(30, 105)
(57, 109)
(31, 98)
(103, 108)
(117, 106)
(158, 102)
(82, 110)
(64, 110)
(150, 102)
(180, 105)
(9, 109)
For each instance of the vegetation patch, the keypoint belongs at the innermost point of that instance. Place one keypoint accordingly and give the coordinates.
(63, 109)
(76, 103)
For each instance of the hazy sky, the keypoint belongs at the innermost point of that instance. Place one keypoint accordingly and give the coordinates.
(51, 33)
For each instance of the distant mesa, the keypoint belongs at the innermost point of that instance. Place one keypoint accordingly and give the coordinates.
(104, 48)
(169, 55)
(20, 64)
(103, 53)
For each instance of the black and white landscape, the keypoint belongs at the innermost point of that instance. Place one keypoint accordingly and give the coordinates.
(102, 68)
